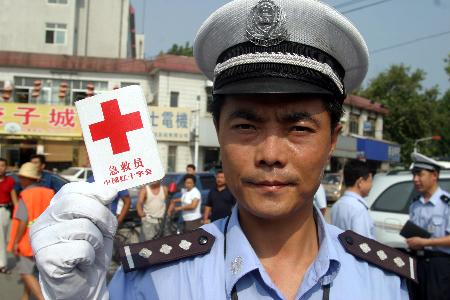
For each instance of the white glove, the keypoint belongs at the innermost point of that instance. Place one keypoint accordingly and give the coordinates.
(72, 242)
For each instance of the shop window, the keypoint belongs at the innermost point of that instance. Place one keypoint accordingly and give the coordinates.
(174, 99)
(353, 124)
(171, 158)
(57, 1)
(209, 98)
(21, 95)
(369, 127)
(124, 84)
(55, 33)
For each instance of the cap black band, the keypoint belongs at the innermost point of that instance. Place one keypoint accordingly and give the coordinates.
(280, 70)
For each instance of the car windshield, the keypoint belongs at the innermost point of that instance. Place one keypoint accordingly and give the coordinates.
(70, 171)
(331, 179)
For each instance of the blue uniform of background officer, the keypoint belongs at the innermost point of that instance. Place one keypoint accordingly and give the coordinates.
(351, 212)
(431, 211)
(280, 70)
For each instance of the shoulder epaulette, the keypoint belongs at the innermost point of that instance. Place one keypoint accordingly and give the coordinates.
(167, 249)
(380, 255)
(445, 198)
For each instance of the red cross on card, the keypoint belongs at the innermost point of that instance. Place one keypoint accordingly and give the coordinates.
(118, 136)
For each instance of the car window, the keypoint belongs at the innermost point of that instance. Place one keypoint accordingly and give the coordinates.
(398, 197)
(445, 184)
(208, 181)
(331, 179)
(81, 176)
(70, 171)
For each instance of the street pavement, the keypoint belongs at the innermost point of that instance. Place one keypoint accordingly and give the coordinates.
(11, 287)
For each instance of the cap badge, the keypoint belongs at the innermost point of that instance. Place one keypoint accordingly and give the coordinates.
(266, 24)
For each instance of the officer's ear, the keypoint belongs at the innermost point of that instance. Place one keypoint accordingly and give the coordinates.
(334, 138)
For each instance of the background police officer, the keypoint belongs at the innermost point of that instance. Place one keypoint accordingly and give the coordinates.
(431, 211)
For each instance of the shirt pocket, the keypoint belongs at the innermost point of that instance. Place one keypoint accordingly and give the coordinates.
(437, 222)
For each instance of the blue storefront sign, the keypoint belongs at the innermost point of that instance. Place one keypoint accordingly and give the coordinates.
(378, 150)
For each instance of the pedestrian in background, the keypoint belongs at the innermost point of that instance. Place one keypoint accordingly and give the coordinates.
(190, 169)
(48, 179)
(33, 200)
(114, 206)
(320, 199)
(431, 211)
(351, 212)
(220, 200)
(151, 207)
(8, 198)
(190, 204)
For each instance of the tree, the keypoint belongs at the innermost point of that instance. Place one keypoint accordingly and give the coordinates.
(413, 110)
(185, 50)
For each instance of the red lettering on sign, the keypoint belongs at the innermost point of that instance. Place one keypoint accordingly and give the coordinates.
(148, 172)
(1, 114)
(125, 166)
(64, 118)
(113, 170)
(138, 163)
(27, 115)
(115, 126)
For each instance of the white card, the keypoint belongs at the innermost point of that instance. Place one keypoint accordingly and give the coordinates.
(119, 139)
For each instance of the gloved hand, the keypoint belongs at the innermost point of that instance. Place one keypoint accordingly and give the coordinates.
(72, 242)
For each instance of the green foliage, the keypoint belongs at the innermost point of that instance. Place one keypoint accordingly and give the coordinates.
(185, 50)
(414, 112)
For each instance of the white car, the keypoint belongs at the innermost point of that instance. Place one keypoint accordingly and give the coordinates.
(76, 173)
(389, 202)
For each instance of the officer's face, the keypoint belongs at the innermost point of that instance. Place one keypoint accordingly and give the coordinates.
(424, 181)
(274, 148)
(366, 185)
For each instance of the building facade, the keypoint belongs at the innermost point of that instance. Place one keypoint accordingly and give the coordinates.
(95, 28)
(177, 94)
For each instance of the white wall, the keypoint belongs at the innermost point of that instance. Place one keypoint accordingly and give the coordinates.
(94, 27)
(22, 25)
(188, 85)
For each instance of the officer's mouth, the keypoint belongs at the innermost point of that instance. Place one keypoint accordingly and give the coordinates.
(267, 185)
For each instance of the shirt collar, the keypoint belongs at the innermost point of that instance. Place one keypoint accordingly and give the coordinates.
(435, 198)
(241, 259)
(358, 197)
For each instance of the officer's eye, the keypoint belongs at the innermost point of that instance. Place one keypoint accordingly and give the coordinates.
(301, 129)
(244, 127)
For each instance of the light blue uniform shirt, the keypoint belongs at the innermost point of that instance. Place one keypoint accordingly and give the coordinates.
(433, 216)
(211, 276)
(351, 212)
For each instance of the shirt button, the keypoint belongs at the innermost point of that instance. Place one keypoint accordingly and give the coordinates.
(203, 240)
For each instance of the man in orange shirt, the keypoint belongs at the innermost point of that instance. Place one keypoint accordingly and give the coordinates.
(33, 200)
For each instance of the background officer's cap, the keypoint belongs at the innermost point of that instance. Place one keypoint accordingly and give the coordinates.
(422, 162)
(281, 46)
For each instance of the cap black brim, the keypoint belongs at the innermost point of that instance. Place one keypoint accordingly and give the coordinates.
(270, 85)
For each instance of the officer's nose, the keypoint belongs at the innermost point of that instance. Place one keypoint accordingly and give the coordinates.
(272, 152)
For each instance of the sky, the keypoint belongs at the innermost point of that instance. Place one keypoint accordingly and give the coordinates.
(384, 24)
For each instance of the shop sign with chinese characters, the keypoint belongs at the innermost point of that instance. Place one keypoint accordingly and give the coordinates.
(170, 123)
(42, 120)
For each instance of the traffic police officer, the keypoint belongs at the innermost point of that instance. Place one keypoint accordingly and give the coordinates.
(281, 69)
(431, 211)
